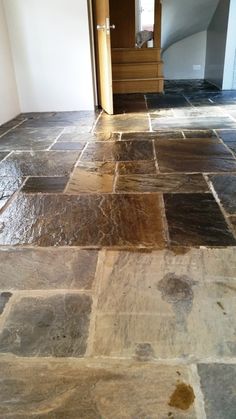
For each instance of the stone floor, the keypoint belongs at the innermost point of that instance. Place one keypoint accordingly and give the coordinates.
(118, 259)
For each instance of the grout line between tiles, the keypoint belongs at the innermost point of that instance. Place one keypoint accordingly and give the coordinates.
(199, 398)
(12, 128)
(155, 157)
(115, 179)
(55, 141)
(96, 122)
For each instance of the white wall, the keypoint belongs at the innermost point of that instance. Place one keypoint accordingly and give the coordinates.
(52, 55)
(181, 58)
(9, 105)
(216, 44)
(229, 77)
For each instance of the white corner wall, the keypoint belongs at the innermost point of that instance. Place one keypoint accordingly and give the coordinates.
(52, 55)
(229, 77)
(9, 106)
(192, 51)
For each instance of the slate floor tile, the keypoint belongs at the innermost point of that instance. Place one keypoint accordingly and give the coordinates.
(151, 135)
(4, 298)
(92, 177)
(201, 123)
(76, 136)
(47, 268)
(229, 138)
(81, 119)
(218, 382)
(123, 122)
(29, 138)
(80, 389)
(225, 187)
(118, 151)
(41, 163)
(47, 326)
(233, 223)
(203, 111)
(69, 145)
(3, 155)
(84, 220)
(155, 101)
(45, 185)
(194, 155)
(196, 220)
(129, 103)
(200, 134)
(137, 167)
(167, 305)
(8, 185)
(162, 183)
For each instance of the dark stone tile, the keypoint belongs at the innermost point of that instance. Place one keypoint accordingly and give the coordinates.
(8, 186)
(155, 101)
(13, 122)
(84, 220)
(45, 185)
(119, 151)
(194, 155)
(47, 326)
(218, 383)
(200, 134)
(200, 123)
(87, 137)
(162, 183)
(92, 178)
(29, 139)
(185, 86)
(233, 223)
(87, 389)
(81, 119)
(137, 167)
(225, 187)
(70, 145)
(4, 298)
(129, 103)
(42, 163)
(3, 155)
(47, 268)
(122, 123)
(229, 138)
(151, 135)
(196, 220)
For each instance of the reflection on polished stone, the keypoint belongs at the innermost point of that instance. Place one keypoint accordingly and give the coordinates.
(47, 326)
(43, 163)
(196, 220)
(70, 145)
(47, 269)
(199, 123)
(194, 155)
(45, 185)
(87, 389)
(225, 187)
(151, 135)
(84, 220)
(137, 167)
(75, 136)
(123, 122)
(119, 151)
(162, 183)
(29, 138)
(92, 177)
(8, 186)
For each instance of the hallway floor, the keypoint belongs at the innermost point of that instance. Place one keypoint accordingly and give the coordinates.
(118, 259)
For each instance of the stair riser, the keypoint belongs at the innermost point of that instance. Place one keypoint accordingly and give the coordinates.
(138, 86)
(137, 71)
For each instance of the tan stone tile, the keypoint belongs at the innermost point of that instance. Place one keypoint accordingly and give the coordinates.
(91, 390)
(92, 177)
(180, 305)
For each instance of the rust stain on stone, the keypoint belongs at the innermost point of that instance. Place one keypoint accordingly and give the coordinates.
(183, 397)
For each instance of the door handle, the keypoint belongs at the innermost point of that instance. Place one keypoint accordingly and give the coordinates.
(106, 27)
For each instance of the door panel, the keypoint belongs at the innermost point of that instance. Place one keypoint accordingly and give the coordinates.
(103, 36)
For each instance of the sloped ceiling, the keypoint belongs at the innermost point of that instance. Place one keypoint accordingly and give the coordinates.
(183, 18)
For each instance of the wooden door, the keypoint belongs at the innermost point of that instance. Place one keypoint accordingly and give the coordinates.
(103, 40)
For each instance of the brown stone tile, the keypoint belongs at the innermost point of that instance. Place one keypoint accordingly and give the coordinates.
(151, 135)
(42, 163)
(119, 151)
(81, 389)
(70, 145)
(87, 137)
(196, 220)
(225, 187)
(137, 167)
(47, 326)
(92, 177)
(123, 122)
(162, 183)
(165, 305)
(47, 268)
(85, 220)
(8, 186)
(194, 155)
(45, 185)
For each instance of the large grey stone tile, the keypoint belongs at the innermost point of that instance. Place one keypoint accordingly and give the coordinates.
(29, 138)
(169, 305)
(218, 382)
(80, 389)
(39, 269)
(225, 187)
(83, 120)
(55, 325)
(8, 185)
